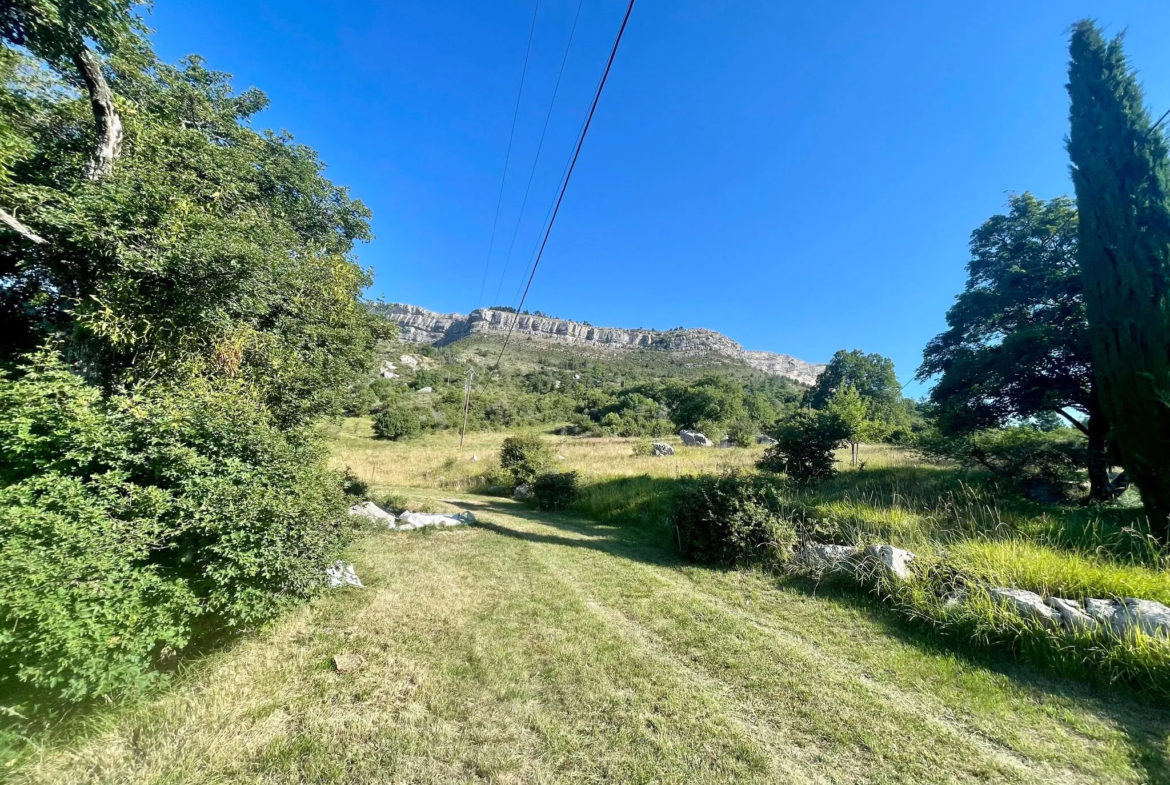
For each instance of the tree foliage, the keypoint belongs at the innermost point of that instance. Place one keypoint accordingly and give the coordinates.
(1121, 172)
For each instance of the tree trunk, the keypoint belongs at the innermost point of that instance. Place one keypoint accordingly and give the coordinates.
(106, 118)
(1098, 462)
(10, 221)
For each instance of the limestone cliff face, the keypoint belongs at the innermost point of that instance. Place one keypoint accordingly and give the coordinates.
(418, 325)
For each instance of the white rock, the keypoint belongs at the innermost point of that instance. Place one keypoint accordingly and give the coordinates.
(1072, 616)
(522, 492)
(425, 390)
(374, 513)
(1152, 618)
(695, 439)
(828, 558)
(474, 458)
(421, 520)
(1026, 603)
(895, 561)
(342, 574)
(660, 449)
(389, 375)
(407, 359)
(1104, 612)
(767, 441)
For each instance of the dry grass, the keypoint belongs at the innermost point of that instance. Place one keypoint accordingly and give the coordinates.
(547, 648)
(552, 650)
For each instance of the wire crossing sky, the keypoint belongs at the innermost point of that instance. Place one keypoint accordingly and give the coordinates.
(803, 177)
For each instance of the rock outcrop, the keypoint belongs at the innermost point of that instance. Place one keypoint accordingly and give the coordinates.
(418, 325)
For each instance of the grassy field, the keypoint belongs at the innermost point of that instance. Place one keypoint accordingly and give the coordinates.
(538, 648)
(535, 649)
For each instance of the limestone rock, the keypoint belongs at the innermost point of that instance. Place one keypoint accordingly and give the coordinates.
(474, 458)
(765, 440)
(821, 559)
(418, 325)
(348, 663)
(426, 390)
(1026, 603)
(420, 520)
(342, 574)
(895, 562)
(374, 513)
(523, 492)
(1103, 612)
(661, 449)
(1072, 615)
(695, 439)
(1152, 618)
(410, 360)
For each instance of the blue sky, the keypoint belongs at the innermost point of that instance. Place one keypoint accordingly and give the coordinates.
(800, 176)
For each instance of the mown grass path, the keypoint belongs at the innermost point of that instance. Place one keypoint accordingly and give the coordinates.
(539, 648)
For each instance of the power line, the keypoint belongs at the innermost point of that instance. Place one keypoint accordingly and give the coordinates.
(508, 156)
(539, 147)
(568, 175)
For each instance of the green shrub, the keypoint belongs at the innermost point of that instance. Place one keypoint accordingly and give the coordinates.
(1047, 465)
(396, 421)
(643, 448)
(523, 457)
(733, 519)
(554, 490)
(804, 446)
(128, 522)
(742, 433)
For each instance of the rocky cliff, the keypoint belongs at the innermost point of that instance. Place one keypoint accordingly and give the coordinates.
(418, 325)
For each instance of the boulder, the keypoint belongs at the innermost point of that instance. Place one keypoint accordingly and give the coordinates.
(821, 559)
(660, 449)
(695, 439)
(1072, 615)
(420, 520)
(342, 574)
(767, 441)
(1028, 604)
(895, 562)
(348, 663)
(407, 359)
(522, 492)
(1152, 618)
(374, 513)
(425, 390)
(1104, 612)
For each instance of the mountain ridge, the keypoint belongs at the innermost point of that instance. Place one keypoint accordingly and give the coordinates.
(419, 325)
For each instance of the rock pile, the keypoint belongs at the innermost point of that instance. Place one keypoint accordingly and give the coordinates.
(695, 439)
(408, 521)
(1120, 618)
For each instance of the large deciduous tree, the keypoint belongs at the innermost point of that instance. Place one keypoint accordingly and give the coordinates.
(1121, 171)
(1017, 344)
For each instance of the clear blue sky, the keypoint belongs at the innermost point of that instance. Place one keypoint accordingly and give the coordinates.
(800, 176)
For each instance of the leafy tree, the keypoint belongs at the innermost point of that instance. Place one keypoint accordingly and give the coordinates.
(853, 412)
(805, 443)
(1017, 344)
(396, 421)
(713, 402)
(872, 375)
(1121, 171)
(524, 457)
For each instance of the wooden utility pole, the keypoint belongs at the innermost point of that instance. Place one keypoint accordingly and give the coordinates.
(466, 406)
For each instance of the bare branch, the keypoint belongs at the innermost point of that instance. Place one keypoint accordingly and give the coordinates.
(1080, 426)
(10, 221)
(105, 115)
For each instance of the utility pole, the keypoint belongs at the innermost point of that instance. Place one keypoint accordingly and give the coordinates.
(466, 406)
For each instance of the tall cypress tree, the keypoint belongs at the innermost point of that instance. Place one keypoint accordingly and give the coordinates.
(1122, 176)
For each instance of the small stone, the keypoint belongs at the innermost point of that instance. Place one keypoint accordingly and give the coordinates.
(1026, 603)
(342, 574)
(560, 457)
(474, 458)
(348, 663)
(661, 449)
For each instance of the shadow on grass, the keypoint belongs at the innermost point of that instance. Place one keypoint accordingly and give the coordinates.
(1144, 719)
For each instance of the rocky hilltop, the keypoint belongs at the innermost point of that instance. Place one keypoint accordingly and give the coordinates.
(418, 325)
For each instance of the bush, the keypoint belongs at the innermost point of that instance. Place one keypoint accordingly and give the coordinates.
(554, 490)
(644, 448)
(733, 519)
(128, 522)
(742, 433)
(1046, 465)
(804, 446)
(523, 457)
(396, 421)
